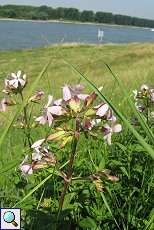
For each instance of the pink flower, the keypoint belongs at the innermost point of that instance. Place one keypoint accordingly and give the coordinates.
(25, 167)
(109, 116)
(58, 102)
(76, 89)
(49, 112)
(70, 92)
(152, 95)
(3, 105)
(102, 109)
(56, 110)
(66, 93)
(47, 116)
(109, 130)
(82, 96)
(5, 102)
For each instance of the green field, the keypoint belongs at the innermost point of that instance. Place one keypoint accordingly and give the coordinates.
(124, 205)
(132, 63)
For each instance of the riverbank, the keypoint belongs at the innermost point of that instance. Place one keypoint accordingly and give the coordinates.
(71, 22)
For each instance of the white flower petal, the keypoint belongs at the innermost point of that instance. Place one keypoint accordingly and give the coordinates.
(83, 96)
(100, 88)
(37, 143)
(152, 115)
(144, 87)
(22, 82)
(13, 83)
(19, 74)
(13, 75)
(107, 138)
(37, 156)
(102, 110)
(58, 102)
(107, 127)
(117, 128)
(50, 99)
(113, 119)
(95, 122)
(6, 82)
(24, 77)
(25, 159)
(66, 93)
(55, 110)
(50, 118)
(42, 120)
(3, 106)
(26, 169)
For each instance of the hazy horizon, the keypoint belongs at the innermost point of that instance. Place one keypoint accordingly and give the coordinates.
(137, 8)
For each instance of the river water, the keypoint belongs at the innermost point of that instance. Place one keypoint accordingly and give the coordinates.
(27, 34)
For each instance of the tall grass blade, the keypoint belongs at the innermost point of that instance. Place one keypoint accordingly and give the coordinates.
(32, 191)
(150, 223)
(109, 209)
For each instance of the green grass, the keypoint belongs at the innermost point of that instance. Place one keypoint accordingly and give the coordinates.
(133, 63)
(126, 205)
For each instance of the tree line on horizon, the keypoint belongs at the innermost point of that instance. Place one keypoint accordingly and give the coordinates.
(72, 14)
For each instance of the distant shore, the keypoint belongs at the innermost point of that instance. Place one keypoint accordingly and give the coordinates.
(69, 22)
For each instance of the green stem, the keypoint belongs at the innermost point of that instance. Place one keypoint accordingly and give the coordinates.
(68, 178)
(26, 124)
(69, 174)
(147, 111)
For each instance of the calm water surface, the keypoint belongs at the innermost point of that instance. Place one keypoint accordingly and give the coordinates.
(17, 35)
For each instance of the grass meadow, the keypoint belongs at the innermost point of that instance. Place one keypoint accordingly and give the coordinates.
(124, 205)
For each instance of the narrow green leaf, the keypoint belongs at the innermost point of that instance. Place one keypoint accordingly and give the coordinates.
(108, 207)
(32, 191)
(150, 222)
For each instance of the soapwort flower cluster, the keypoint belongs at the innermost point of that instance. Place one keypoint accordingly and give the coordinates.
(144, 101)
(14, 84)
(73, 114)
(75, 105)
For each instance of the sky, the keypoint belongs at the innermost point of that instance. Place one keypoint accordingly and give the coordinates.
(139, 8)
